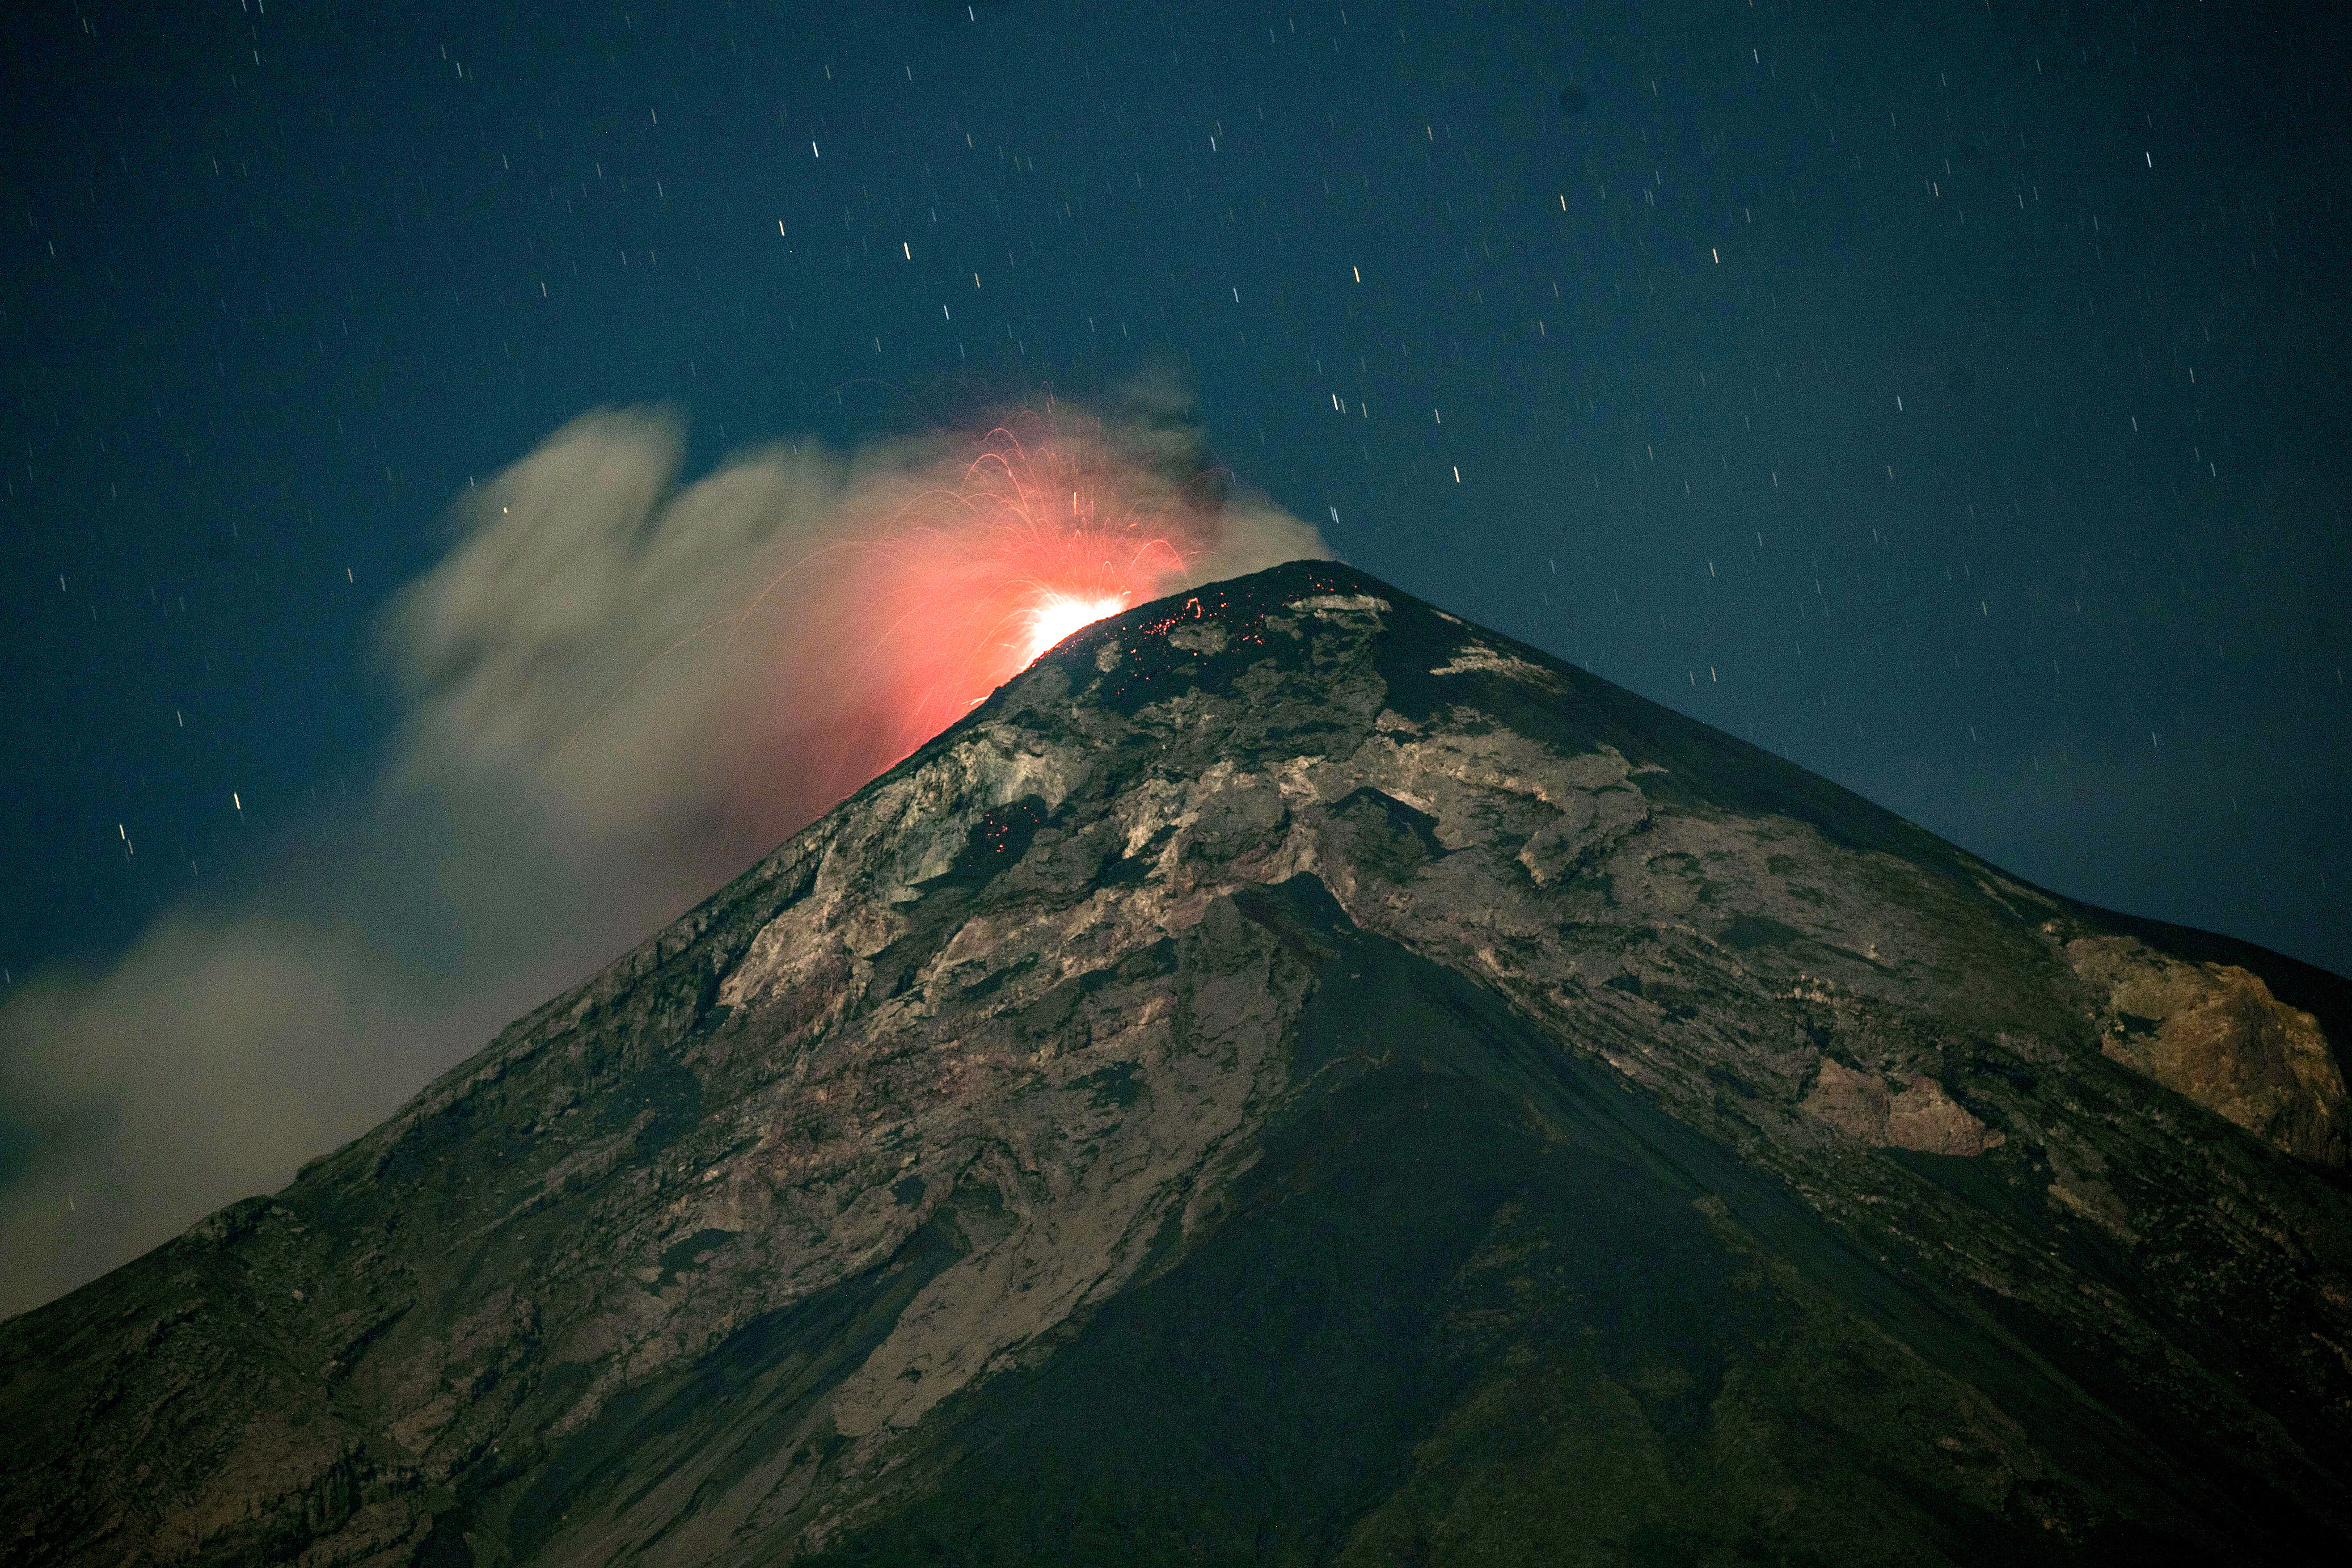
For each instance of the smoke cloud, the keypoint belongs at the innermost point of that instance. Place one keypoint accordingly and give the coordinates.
(617, 689)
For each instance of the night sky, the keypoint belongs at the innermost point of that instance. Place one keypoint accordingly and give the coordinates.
(1947, 397)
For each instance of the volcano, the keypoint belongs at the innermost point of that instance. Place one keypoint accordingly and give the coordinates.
(1292, 1078)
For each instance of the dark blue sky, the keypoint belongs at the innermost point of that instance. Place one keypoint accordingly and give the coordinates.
(1948, 397)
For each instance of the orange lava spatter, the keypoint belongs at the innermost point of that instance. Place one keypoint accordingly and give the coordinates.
(963, 585)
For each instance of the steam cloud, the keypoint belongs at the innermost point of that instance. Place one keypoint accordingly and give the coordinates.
(618, 692)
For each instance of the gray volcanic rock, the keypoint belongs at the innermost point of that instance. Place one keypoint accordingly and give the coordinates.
(1292, 1078)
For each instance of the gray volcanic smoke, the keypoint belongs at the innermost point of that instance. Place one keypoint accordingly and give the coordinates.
(617, 691)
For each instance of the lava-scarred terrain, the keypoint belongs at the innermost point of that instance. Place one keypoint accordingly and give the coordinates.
(1294, 1078)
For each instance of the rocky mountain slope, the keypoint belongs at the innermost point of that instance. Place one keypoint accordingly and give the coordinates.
(1294, 1078)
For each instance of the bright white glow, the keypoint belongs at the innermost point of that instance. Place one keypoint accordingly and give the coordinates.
(1056, 615)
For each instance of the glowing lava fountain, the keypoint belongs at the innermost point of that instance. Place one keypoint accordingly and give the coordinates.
(1037, 539)
(957, 580)
(1055, 615)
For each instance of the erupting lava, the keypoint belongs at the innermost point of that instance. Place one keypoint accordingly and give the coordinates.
(962, 582)
(720, 663)
(1038, 540)
(1055, 615)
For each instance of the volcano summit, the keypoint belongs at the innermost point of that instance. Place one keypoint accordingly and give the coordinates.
(1293, 1077)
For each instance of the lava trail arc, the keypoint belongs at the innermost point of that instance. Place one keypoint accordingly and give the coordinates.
(948, 589)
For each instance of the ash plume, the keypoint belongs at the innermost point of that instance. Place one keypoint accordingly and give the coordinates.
(617, 689)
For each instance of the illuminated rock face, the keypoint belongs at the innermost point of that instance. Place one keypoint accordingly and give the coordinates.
(1292, 1078)
(2214, 1033)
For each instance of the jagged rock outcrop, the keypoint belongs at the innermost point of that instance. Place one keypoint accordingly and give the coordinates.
(2214, 1033)
(1293, 1077)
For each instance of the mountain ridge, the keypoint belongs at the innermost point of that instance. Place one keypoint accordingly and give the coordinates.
(758, 1243)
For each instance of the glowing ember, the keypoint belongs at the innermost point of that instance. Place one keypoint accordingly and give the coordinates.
(1056, 615)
